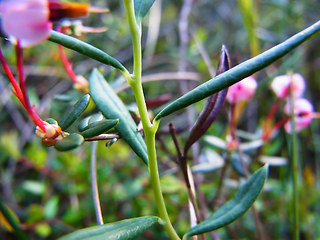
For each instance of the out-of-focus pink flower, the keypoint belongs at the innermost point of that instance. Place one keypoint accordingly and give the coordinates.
(29, 21)
(281, 85)
(26, 20)
(303, 114)
(242, 90)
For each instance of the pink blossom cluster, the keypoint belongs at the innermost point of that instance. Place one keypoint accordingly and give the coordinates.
(302, 108)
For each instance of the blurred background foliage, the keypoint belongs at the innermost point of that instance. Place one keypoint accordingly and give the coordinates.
(50, 191)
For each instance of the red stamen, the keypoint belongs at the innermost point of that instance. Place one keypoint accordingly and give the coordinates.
(16, 89)
(314, 115)
(67, 65)
(30, 110)
(270, 116)
(279, 124)
(232, 122)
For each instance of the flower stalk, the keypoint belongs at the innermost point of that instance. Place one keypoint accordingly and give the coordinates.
(149, 128)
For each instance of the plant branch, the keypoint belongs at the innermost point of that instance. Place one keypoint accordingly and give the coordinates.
(149, 128)
(94, 184)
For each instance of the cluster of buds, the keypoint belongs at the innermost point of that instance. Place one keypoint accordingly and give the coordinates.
(289, 88)
(284, 87)
(51, 134)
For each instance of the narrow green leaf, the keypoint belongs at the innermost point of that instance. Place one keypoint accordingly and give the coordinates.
(142, 7)
(249, 14)
(240, 71)
(75, 112)
(68, 143)
(235, 207)
(112, 107)
(122, 230)
(99, 127)
(85, 49)
(12, 220)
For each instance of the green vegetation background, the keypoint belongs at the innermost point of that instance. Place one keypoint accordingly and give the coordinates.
(50, 191)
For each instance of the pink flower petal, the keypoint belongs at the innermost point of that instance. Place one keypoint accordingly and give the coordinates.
(242, 90)
(26, 20)
(302, 111)
(280, 85)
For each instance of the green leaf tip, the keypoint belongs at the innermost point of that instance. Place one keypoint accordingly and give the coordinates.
(235, 207)
(142, 7)
(85, 49)
(122, 230)
(240, 71)
(99, 127)
(68, 143)
(111, 106)
(75, 112)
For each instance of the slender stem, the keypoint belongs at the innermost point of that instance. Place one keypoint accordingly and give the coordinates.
(94, 184)
(149, 128)
(295, 171)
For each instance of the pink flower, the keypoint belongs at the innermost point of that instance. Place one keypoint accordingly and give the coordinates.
(242, 90)
(26, 20)
(303, 114)
(281, 85)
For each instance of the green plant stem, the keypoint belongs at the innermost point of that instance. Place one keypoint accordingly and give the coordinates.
(295, 170)
(148, 128)
(94, 184)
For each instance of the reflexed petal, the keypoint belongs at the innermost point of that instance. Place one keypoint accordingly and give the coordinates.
(26, 20)
(280, 85)
(302, 110)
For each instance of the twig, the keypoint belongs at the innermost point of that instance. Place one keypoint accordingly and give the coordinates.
(187, 174)
(94, 185)
(204, 54)
(102, 137)
(222, 178)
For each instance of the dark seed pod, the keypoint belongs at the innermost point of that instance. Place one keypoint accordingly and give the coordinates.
(212, 107)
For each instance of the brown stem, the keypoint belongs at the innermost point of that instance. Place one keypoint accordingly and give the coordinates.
(186, 172)
(219, 190)
(102, 137)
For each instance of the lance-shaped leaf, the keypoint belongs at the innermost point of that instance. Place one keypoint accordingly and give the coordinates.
(75, 112)
(142, 7)
(240, 71)
(9, 220)
(68, 143)
(112, 107)
(99, 127)
(85, 49)
(235, 207)
(213, 106)
(126, 229)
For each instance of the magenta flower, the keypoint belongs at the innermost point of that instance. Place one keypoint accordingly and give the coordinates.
(303, 114)
(26, 20)
(242, 90)
(281, 85)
